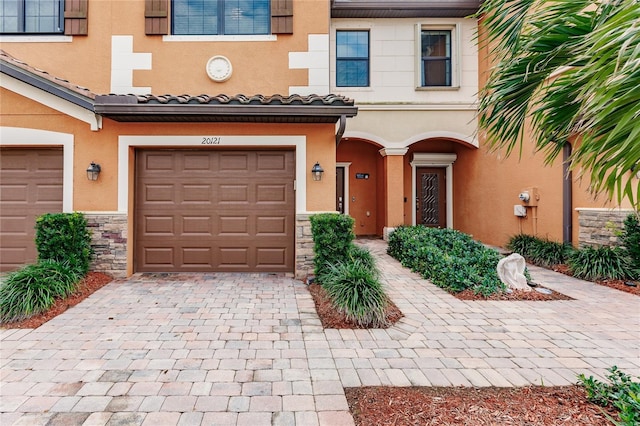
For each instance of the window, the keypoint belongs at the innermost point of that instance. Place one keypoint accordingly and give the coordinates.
(217, 17)
(352, 58)
(435, 64)
(31, 16)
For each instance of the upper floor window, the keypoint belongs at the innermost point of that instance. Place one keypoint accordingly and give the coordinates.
(436, 67)
(352, 58)
(31, 16)
(218, 17)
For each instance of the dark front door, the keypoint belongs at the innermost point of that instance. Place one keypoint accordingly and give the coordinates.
(431, 198)
(340, 189)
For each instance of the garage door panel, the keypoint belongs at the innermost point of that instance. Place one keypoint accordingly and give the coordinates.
(155, 162)
(14, 194)
(15, 225)
(48, 193)
(271, 193)
(197, 256)
(200, 226)
(197, 163)
(233, 226)
(158, 256)
(30, 185)
(196, 194)
(159, 226)
(233, 193)
(233, 257)
(271, 161)
(158, 194)
(231, 210)
(234, 162)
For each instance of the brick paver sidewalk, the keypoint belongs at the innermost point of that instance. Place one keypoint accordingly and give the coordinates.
(189, 349)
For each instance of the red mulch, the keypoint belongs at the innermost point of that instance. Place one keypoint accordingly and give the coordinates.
(532, 405)
(617, 284)
(92, 282)
(532, 295)
(331, 318)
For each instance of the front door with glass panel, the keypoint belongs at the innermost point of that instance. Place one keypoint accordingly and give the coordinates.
(340, 192)
(431, 208)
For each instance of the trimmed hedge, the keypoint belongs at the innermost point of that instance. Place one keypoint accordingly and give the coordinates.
(332, 236)
(64, 237)
(347, 272)
(450, 259)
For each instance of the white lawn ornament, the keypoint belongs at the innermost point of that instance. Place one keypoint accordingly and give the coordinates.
(511, 272)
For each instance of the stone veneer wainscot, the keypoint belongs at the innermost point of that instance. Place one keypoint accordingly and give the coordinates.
(109, 242)
(600, 227)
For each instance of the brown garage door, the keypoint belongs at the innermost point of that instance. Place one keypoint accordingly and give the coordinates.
(214, 211)
(30, 185)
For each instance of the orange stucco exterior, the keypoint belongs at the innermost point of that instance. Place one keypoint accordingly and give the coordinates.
(483, 186)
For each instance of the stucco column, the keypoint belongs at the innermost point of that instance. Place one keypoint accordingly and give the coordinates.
(393, 188)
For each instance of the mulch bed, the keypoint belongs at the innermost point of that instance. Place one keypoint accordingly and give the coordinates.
(617, 284)
(331, 318)
(92, 282)
(532, 405)
(515, 295)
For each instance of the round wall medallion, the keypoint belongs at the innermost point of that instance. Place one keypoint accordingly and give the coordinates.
(219, 68)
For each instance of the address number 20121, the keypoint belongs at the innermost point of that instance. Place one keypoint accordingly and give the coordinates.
(211, 140)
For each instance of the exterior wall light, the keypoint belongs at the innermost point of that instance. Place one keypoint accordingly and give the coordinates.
(93, 171)
(317, 171)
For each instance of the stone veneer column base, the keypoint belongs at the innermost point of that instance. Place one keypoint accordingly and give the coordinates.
(600, 227)
(303, 246)
(109, 242)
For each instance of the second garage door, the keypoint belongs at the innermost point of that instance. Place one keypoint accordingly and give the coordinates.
(214, 211)
(30, 185)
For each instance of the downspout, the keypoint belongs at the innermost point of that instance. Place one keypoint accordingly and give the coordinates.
(341, 128)
(567, 196)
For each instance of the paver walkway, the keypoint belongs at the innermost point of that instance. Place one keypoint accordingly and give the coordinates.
(248, 349)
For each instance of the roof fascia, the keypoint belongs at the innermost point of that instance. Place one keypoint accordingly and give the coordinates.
(51, 100)
(120, 107)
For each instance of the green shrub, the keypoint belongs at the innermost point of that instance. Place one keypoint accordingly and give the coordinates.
(64, 237)
(521, 244)
(591, 263)
(332, 236)
(34, 288)
(631, 240)
(622, 393)
(450, 259)
(546, 253)
(355, 289)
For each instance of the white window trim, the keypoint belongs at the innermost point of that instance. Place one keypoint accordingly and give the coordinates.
(346, 185)
(455, 55)
(425, 159)
(36, 39)
(219, 38)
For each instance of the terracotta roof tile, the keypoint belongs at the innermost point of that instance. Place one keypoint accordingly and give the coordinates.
(6, 57)
(240, 99)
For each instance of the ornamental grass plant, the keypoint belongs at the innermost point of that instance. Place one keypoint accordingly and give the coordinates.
(34, 289)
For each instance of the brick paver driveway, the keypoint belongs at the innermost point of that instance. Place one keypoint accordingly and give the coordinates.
(190, 349)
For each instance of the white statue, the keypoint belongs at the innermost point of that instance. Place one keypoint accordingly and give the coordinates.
(511, 272)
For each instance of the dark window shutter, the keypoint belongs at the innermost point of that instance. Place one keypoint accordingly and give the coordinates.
(156, 17)
(75, 17)
(282, 16)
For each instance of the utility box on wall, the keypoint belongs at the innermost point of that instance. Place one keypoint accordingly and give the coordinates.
(519, 210)
(529, 197)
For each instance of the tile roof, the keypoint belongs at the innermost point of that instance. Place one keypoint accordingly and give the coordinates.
(186, 108)
(23, 68)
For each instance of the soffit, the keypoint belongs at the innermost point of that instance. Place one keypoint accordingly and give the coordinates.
(403, 8)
